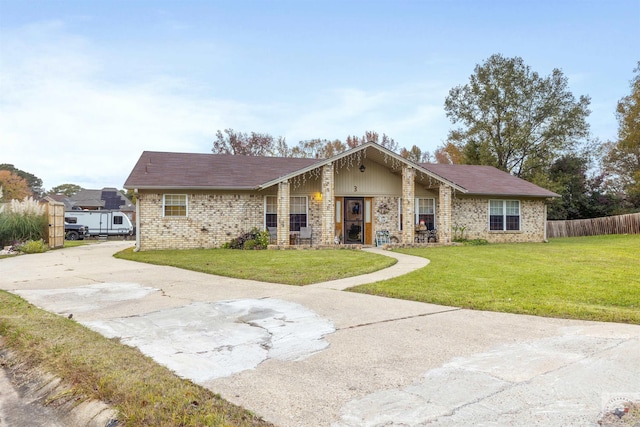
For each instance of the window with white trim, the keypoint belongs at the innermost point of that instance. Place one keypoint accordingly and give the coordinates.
(271, 211)
(174, 205)
(297, 212)
(400, 213)
(504, 215)
(426, 211)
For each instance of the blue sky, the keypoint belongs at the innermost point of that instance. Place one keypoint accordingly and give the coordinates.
(86, 86)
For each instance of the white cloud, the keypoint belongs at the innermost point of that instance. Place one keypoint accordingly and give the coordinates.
(410, 113)
(64, 119)
(63, 122)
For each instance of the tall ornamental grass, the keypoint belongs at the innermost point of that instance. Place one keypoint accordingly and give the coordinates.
(22, 221)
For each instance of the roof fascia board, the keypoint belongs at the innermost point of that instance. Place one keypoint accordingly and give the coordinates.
(513, 196)
(290, 175)
(190, 187)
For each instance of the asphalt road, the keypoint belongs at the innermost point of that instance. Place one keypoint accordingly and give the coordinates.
(318, 356)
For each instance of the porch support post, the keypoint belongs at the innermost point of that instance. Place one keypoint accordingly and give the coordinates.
(283, 213)
(444, 214)
(408, 204)
(138, 200)
(328, 206)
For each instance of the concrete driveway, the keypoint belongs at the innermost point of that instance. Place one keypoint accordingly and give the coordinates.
(318, 356)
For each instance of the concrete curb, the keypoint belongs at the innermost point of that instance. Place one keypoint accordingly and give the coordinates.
(45, 400)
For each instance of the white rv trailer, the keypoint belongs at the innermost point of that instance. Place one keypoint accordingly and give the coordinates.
(101, 223)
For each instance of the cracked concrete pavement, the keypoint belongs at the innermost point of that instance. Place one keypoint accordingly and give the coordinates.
(316, 356)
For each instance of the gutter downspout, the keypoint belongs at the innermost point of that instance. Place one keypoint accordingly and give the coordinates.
(545, 240)
(137, 249)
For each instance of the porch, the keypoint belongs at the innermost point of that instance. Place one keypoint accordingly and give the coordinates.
(349, 207)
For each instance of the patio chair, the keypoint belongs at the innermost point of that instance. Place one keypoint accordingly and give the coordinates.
(432, 235)
(305, 234)
(273, 234)
(382, 237)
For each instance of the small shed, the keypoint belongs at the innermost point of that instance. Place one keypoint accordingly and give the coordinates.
(55, 213)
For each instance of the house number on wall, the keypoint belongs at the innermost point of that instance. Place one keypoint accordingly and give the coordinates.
(355, 188)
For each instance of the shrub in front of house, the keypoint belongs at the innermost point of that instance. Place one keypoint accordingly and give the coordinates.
(254, 239)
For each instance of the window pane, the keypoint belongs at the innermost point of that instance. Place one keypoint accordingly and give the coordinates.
(512, 207)
(296, 221)
(513, 222)
(297, 213)
(272, 205)
(298, 205)
(271, 220)
(495, 222)
(429, 221)
(495, 207)
(175, 199)
(175, 211)
(429, 206)
(425, 206)
(175, 205)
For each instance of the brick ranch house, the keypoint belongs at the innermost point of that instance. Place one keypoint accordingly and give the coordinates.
(189, 200)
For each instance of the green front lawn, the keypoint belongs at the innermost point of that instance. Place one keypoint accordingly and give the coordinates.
(592, 278)
(291, 267)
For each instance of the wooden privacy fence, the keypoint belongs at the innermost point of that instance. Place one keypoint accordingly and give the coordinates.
(55, 213)
(621, 224)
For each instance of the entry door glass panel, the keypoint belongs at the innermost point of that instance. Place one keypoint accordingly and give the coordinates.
(353, 220)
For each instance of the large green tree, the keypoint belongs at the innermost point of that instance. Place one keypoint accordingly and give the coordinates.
(622, 157)
(514, 119)
(582, 196)
(66, 189)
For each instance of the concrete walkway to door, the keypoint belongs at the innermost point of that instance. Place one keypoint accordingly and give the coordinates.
(318, 356)
(406, 264)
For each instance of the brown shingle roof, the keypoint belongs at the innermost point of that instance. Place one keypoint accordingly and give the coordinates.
(202, 170)
(88, 199)
(163, 170)
(487, 180)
